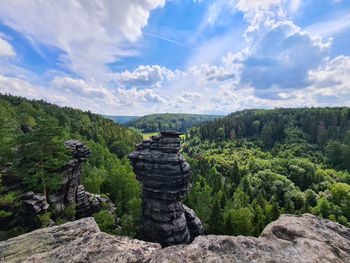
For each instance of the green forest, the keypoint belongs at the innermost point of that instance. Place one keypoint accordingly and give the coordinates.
(247, 168)
(169, 121)
(254, 165)
(29, 160)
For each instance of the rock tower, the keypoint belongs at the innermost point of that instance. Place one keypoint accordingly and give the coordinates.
(165, 176)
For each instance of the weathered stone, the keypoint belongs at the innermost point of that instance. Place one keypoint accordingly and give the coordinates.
(165, 176)
(32, 205)
(78, 241)
(194, 224)
(83, 204)
(290, 239)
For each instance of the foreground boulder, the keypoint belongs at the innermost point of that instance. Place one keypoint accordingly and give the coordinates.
(304, 238)
(164, 175)
(291, 238)
(78, 241)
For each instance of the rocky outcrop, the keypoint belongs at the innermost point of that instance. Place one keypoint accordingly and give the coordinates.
(304, 238)
(164, 175)
(96, 202)
(83, 205)
(193, 223)
(32, 205)
(78, 241)
(36, 203)
(72, 192)
(72, 171)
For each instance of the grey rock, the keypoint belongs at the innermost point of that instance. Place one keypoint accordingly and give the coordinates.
(71, 191)
(78, 241)
(305, 238)
(194, 224)
(38, 206)
(291, 239)
(165, 176)
(83, 205)
(32, 205)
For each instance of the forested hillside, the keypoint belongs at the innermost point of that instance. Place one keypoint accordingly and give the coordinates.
(252, 166)
(169, 121)
(32, 135)
(120, 119)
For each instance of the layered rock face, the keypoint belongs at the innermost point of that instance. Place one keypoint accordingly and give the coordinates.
(71, 176)
(164, 175)
(72, 192)
(304, 238)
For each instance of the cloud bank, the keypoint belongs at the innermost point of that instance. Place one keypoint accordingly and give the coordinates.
(269, 62)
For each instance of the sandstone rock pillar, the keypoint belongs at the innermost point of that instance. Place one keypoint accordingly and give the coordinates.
(165, 176)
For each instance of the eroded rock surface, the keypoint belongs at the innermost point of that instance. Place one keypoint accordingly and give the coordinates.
(291, 238)
(304, 238)
(164, 175)
(78, 241)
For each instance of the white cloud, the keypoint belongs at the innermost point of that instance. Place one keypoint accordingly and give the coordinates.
(331, 82)
(192, 95)
(277, 64)
(19, 87)
(151, 76)
(89, 89)
(279, 54)
(132, 96)
(331, 27)
(205, 73)
(6, 48)
(92, 33)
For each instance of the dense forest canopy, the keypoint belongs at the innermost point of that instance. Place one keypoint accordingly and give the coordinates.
(32, 135)
(253, 165)
(169, 121)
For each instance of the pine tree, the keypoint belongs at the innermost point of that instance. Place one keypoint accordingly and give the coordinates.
(216, 221)
(41, 154)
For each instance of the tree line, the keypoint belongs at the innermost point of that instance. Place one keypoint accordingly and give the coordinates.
(169, 121)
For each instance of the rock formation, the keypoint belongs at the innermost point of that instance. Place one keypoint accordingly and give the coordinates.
(304, 238)
(70, 193)
(164, 175)
(77, 241)
(32, 205)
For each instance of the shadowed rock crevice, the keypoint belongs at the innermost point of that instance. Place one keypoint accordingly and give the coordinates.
(165, 176)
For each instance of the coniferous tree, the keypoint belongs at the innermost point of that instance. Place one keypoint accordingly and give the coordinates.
(216, 221)
(41, 154)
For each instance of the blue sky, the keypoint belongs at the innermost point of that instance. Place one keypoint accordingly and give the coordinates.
(139, 57)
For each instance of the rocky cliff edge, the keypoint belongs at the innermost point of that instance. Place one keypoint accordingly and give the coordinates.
(304, 238)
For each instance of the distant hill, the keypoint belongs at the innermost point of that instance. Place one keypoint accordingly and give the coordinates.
(170, 121)
(120, 119)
